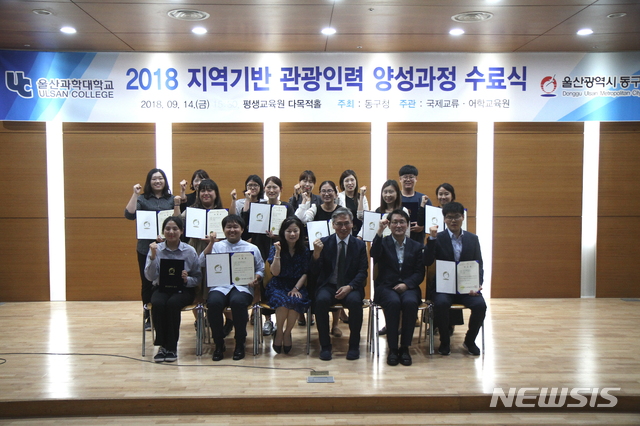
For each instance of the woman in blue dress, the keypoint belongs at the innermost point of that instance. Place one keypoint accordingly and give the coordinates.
(287, 292)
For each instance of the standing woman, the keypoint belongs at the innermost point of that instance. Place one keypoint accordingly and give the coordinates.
(168, 303)
(352, 199)
(156, 197)
(390, 197)
(187, 200)
(308, 211)
(307, 181)
(254, 193)
(286, 292)
(207, 198)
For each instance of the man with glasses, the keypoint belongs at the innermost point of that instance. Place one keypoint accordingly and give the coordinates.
(397, 285)
(340, 263)
(413, 201)
(456, 245)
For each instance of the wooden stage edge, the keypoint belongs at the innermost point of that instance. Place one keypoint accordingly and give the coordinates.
(296, 405)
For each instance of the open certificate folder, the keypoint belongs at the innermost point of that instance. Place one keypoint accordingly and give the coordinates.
(149, 223)
(370, 224)
(201, 222)
(319, 229)
(460, 278)
(230, 268)
(266, 217)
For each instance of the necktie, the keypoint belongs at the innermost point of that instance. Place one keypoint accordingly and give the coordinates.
(342, 263)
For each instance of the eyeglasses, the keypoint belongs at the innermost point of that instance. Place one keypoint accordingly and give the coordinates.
(399, 222)
(452, 218)
(342, 224)
(407, 177)
(253, 185)
(327, 191)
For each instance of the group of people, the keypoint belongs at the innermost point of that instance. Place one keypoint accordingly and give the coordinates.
(334, 272)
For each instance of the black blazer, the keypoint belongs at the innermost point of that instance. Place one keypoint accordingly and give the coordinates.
(356, 268)
(442, 249)
(383, 252)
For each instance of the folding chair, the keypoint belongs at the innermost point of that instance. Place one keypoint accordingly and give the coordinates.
(200, 329)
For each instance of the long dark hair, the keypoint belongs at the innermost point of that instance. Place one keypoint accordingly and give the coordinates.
(148, 192)
(398, 202)
(201, 174)
(299, 247)
(208, 184)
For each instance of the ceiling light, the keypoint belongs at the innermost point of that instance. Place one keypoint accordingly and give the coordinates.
(328, 31)
(68, 30)
(456, 32)
(199, 30)
(617, 15)
(467, 17)
(585, 31)
(42, 12)
(188, 14)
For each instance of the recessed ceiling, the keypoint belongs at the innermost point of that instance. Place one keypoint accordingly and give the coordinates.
(295, 25)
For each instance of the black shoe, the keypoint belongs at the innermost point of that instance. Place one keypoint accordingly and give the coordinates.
(471, 348)
(353, 354)
(287, 349)
(392, 358)
(278, 349)
(268, 328)
(171, 356)
(147, 324)
(302, 322)
(238, 352)
(405, 356)
(218, 354)
(444, 349)
(313, 320)
(161, 355)
(228, 326)
(383, 331)
(325, 353)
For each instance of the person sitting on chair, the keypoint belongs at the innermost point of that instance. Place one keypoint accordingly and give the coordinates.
(453, 244)
(397, 286)
(340, 263)
(238, 297)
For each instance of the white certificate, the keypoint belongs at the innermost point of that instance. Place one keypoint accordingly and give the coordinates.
(214, 222)
(278, 215)
(370, 224)
(445, 276)
(146, 225)
(242, 268)
(162, 216)
(259, 216)
(218, 269)
(317, 229)
(468, 276)
(433, 216)
(196, 226)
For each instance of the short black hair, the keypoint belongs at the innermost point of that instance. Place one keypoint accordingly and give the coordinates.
(401, 212)
(234, 218)
(453, 207)
(178, 221)
(408, 170)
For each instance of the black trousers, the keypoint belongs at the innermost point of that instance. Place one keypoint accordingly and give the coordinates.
(443, 301)
(238, 301)
(147, 286)
(325, 297)
(166, 314)
(395, 304)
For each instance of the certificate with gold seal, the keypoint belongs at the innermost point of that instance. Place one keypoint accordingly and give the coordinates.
(230, 268)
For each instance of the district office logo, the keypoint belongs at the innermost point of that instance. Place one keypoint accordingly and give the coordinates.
(18, 83)
(548, 85)
(554, 397)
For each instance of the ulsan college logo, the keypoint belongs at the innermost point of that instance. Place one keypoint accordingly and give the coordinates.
(18, 83)
(548, 85)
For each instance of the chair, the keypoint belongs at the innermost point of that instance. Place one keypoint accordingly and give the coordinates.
(200, 327)
(427, 316)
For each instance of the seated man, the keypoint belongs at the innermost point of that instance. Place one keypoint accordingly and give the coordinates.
(340, 263)
(237, 297)
(397, 286)
(453, 244)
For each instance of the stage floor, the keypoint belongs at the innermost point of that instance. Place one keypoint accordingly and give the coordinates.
(83, 359)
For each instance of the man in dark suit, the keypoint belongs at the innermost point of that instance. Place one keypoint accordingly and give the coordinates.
(340, 263)
(453, 244)
(397, 286)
